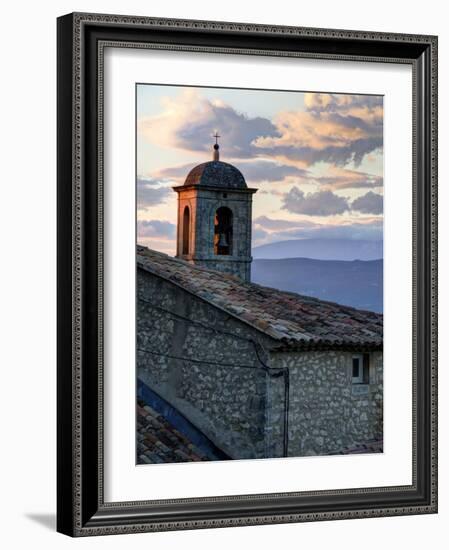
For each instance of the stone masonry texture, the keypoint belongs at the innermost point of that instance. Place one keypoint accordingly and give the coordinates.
(207, 188)
(229, 378)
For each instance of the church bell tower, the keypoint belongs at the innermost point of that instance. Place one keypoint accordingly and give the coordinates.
(214, 217)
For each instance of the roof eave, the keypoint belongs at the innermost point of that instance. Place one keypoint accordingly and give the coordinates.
(280, 343)
(329, 346)
(155, 273)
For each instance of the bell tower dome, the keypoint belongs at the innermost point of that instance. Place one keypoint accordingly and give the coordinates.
(214, 217)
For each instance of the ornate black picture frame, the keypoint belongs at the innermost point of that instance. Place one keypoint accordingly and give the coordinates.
(81, 509)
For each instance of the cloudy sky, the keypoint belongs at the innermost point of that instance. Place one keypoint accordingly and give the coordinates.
(315, 158)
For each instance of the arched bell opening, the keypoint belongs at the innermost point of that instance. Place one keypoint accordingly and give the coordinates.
(223, 231)
(186, 231)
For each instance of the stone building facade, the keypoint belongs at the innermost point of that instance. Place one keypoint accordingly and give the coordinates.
(260, 372)
(247, 371)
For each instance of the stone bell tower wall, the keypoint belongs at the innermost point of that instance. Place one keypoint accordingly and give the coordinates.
(203, 203)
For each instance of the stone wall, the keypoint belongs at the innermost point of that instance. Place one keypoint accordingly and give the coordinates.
(228, 380)
(203, 204)
(327, 412)
(204, 362)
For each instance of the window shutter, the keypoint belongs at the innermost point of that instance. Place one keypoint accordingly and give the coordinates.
(366, 368)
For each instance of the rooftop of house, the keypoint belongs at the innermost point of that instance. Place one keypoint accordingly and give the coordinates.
(293, 320)
(158, 441)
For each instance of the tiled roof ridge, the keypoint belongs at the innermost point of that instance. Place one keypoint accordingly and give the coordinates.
(285, 316)
(148, 252)
(150, 268)
(250, 283)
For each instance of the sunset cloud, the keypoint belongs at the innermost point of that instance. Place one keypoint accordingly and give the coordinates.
(342, 178)
(371, 203)
(157, 229)
(150, 192)
(176, 172)
(333, 128)
(254, 171)
(266, 170)
(315, 158)
(321, 203)
(365, 106)
(189, 121)
(336, 129)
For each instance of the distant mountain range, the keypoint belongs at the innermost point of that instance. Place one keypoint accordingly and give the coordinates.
(321, 249)
(354, 283)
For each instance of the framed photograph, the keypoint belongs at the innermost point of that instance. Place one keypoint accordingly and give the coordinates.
(247, 280)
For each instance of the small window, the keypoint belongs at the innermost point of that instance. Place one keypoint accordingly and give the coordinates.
(357, 369)
(360, 368)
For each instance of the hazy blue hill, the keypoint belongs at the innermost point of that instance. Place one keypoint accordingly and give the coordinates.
(353, 283)
(321, 249)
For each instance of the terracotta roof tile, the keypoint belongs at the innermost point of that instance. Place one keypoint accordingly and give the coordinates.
(159, 442)
(291, 319)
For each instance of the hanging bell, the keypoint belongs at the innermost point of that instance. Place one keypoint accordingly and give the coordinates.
(222, 240)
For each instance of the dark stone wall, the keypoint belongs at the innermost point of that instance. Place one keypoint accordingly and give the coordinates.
(327, 411)
(226, 378)
(206, 363)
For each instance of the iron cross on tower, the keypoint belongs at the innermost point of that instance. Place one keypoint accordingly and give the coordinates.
(216, 156)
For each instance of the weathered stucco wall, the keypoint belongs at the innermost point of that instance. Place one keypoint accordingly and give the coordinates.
(225, 377)
(327, 411)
